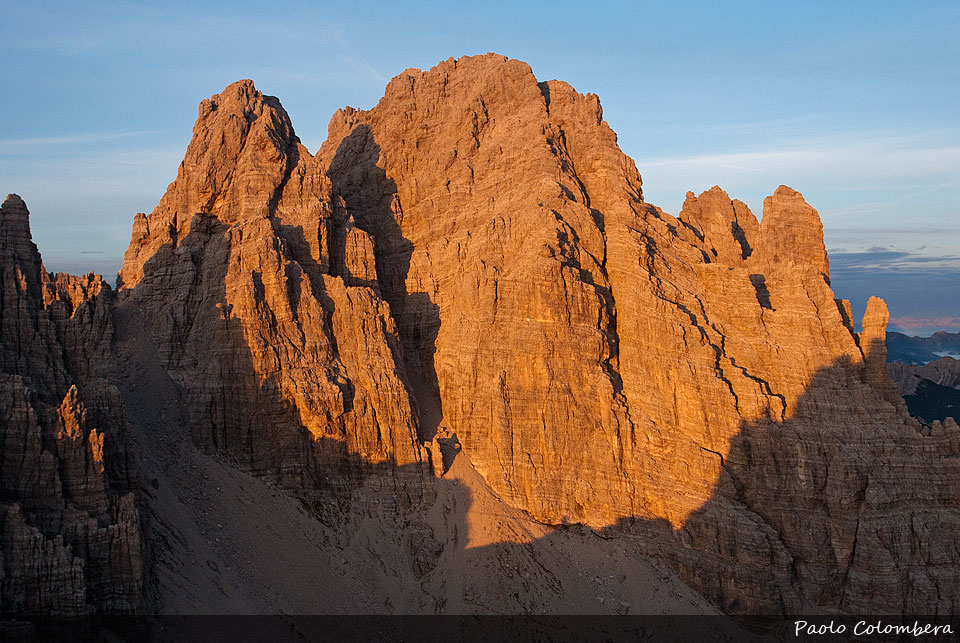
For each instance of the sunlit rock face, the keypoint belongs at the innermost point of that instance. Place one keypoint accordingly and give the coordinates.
(262, 301)
(469, 269)
(601, 360)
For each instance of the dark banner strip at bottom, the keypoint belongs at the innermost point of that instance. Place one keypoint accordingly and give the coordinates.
(470, 629)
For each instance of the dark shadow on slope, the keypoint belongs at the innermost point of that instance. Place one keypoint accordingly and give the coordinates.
(449, 445)
(740, 236)
(370, 197)
(800, 513)
(799, 519)
(789, 528)
(545, 90)
(763, 293)
(232, 410)
(837, 509)
(846, 506)
(932, 401)
(834, 496)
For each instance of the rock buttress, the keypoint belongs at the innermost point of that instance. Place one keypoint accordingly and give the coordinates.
(69, 525)
(602, 361)
(264, 310)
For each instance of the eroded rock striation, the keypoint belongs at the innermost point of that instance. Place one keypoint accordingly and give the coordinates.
(470, 270)
(259, 297)
(69, 527)
(602, 361)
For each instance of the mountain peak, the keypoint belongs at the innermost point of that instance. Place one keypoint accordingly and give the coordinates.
(468, 271)
(243, 144)
(792, 232)
(241, 154)
(16, 218)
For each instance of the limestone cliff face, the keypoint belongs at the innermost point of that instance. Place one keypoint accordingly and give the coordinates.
(69, 527)
(601, 360)
(473, 260)
(261, 298)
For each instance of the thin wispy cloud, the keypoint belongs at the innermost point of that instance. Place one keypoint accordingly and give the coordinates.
(70, 45)
(924, 323)
(363, 63)
(805, 155)
(895, 230)
(790, 124)
(340, 37)
(882, 259)
(158, 28)
(8, 145)
(866, 178)
(897, 202)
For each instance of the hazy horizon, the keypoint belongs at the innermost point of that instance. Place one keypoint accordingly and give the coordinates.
(852, 105)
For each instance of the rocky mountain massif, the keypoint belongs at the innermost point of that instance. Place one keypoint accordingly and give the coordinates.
(69, 526)
(917, 351)
(927, 373)
(944, 371)
(455, 361)
(931, 390)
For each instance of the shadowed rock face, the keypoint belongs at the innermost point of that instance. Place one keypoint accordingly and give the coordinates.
(69, 529)
(258, 317)
(470, 267)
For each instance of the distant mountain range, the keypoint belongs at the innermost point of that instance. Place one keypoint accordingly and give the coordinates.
(920, 350)
(925, 373)
(933, 401)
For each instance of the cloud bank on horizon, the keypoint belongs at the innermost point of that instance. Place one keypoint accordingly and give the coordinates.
(920, 286)
(854, 106)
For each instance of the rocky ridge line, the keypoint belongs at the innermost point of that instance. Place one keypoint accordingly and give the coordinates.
(69, 526)
(470, 268)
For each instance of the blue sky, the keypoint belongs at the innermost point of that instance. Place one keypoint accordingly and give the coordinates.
(852, 103)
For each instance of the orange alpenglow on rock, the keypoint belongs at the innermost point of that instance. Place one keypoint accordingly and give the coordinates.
(475, 253)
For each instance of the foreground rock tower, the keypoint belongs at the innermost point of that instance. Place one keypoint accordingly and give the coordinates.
(473, 256)
(69, 528)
